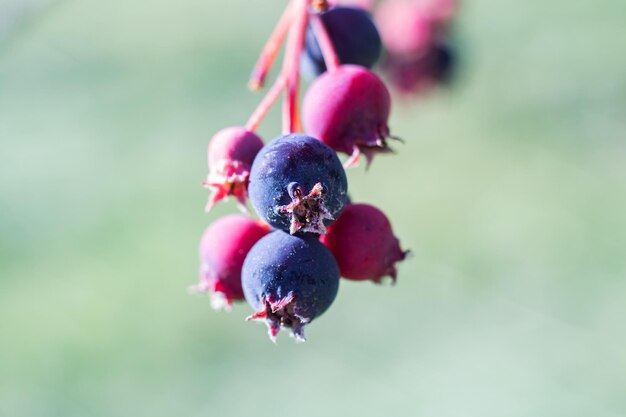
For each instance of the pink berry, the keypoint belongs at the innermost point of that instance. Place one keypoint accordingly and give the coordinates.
(363, 244)
(347, 109)
(408, 27)
(223, 248)
(230, 154)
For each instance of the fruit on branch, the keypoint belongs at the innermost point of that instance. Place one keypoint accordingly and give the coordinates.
(408, 27)
(230, 154)
(298, 184)
(434, 67)
(363, 244)
(348, 109)
(353, 35)
(289, 281)
(223, 248)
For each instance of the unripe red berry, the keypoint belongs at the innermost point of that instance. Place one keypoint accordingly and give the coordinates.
(363, 244)
(223, 249)
(348, 109)
(230, 155)
(408, 27)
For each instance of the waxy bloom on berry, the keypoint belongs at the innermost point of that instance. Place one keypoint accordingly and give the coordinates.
(289, 281)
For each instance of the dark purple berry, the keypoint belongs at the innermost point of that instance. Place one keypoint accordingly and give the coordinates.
(298, 184)
(353, 34)
(289, 281)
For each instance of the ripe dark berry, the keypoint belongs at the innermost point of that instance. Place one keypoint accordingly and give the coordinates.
(363, 244)
(348, 109)
(353, 34)
(298, 184)
(230, 155)
(223, 248)
(289, 280)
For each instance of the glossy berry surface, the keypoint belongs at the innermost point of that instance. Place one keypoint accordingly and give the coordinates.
(223, 248)
(230, 154)
(289, 281)
(353, 34)
(298, 184)
(348, 109)
(363, 244)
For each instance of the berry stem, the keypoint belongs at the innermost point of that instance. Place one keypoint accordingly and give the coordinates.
(270, 50)
(266, 104)
(291, 64)
(326, 45)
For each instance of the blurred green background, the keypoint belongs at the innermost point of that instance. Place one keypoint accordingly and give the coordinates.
(510, 191)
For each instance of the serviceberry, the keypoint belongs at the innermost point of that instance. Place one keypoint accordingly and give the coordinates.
(353, 35)
(363, 244)
(348, 109)
(223, 248)
(298, 184)
(230, 155)
(289, 281)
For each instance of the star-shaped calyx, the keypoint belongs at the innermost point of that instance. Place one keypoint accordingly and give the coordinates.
(281, 313)
(306, 212)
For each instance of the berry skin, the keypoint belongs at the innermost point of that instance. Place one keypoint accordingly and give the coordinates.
(363, 244)
(353, 34)
(289, 280)
(230, 154)
(298, 184)
(348, 109)
(223, 248)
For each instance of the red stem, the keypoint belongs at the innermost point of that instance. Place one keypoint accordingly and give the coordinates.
(326, 45)
(291, 65)
(268, 101)
(270, 50)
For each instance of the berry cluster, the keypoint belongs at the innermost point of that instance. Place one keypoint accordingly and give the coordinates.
(287, 265)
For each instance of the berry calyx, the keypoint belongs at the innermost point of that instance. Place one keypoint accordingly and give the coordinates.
(307, 211)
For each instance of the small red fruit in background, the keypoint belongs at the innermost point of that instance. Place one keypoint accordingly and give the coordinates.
(230, 155)
(223, 248)
(363, 244)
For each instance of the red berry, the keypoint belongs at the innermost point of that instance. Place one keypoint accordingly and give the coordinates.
(363, 244)
(407, 27)
(348, 109)
(230, 154)
(223, 248)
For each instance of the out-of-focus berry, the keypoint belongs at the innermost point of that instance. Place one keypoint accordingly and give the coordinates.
(352, 33)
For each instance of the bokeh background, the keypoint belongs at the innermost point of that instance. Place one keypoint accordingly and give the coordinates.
(510, 191)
